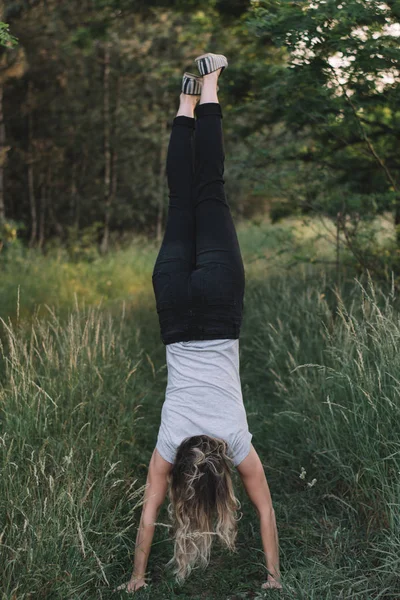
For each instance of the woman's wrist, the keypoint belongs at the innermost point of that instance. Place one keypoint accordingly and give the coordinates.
(138, 577)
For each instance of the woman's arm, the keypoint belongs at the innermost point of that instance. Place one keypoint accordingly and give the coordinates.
(253, 476)
(157, 486)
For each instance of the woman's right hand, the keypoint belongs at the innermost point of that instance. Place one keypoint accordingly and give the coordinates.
(133, 585)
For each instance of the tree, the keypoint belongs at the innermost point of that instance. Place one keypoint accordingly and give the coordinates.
(88, 122)
(8, 69)
(338, 97)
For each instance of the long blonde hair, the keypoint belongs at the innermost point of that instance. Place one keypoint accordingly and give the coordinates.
(201, 492)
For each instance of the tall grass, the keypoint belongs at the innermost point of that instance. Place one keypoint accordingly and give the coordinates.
(81, 390)
(36, 280)
(332, 370)
(33, 280)
(71, 405)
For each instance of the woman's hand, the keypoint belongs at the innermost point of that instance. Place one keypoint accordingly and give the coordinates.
(271, 583)
(132, 586)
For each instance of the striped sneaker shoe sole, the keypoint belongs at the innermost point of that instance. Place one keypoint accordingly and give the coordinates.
(191, 84)
(207, 63)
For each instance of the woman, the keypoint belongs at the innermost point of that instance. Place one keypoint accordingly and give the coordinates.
(198, 281)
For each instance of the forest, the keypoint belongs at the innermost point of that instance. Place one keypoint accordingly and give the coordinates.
(90, 89)
(311, 117)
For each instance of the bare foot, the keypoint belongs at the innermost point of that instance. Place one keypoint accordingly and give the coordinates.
(131, 586)
(271, 583)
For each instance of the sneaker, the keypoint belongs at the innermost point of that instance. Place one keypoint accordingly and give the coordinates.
(207, 63)
(191, 84)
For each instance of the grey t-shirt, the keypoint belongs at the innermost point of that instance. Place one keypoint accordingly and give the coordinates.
(204, 396)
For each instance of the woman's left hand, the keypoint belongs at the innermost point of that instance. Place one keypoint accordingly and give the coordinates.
(271, 583)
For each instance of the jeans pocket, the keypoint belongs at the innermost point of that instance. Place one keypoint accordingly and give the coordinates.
(220, 286)
(170, 289)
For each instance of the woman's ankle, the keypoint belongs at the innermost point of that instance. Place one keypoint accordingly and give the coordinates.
(209, 92)
(187, 104)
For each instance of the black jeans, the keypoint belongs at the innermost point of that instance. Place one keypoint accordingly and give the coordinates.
(198, 277)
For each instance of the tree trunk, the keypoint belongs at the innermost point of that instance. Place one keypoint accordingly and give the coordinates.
(53, 219)
(107, 147)
(161, 172)
(31, 184)
(50, 209)
(397, 219)
(81, 187)
(161, 183)
(2, 143)
(42, 217)
(72, 203)
(3, 155)
(114, 175)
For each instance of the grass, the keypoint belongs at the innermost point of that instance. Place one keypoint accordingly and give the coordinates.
(82, 384)
(31, 281)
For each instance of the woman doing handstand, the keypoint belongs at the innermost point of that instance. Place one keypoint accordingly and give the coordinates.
(199, 282)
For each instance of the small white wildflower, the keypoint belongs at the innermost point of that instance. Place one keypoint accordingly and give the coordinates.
(68, 459)
(303, 473)
(313, 482)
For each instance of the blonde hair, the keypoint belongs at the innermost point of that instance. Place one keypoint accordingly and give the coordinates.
(200, 493)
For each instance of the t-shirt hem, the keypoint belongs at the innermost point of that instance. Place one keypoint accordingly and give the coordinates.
(242, 455)
(164, 453)
(190, 337)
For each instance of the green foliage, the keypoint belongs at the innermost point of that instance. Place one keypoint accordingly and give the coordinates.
(280, 211)
(6, 38)
(337, 95)
(31, 281)
(8, 234)
(98, 142)
(311, 115)
(82, 245)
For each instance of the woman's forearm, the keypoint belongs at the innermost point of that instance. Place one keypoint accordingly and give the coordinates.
(269, 536)
(144, 540)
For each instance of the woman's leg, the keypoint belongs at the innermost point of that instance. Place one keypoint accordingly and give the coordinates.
(176, 257)
(218, 254)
